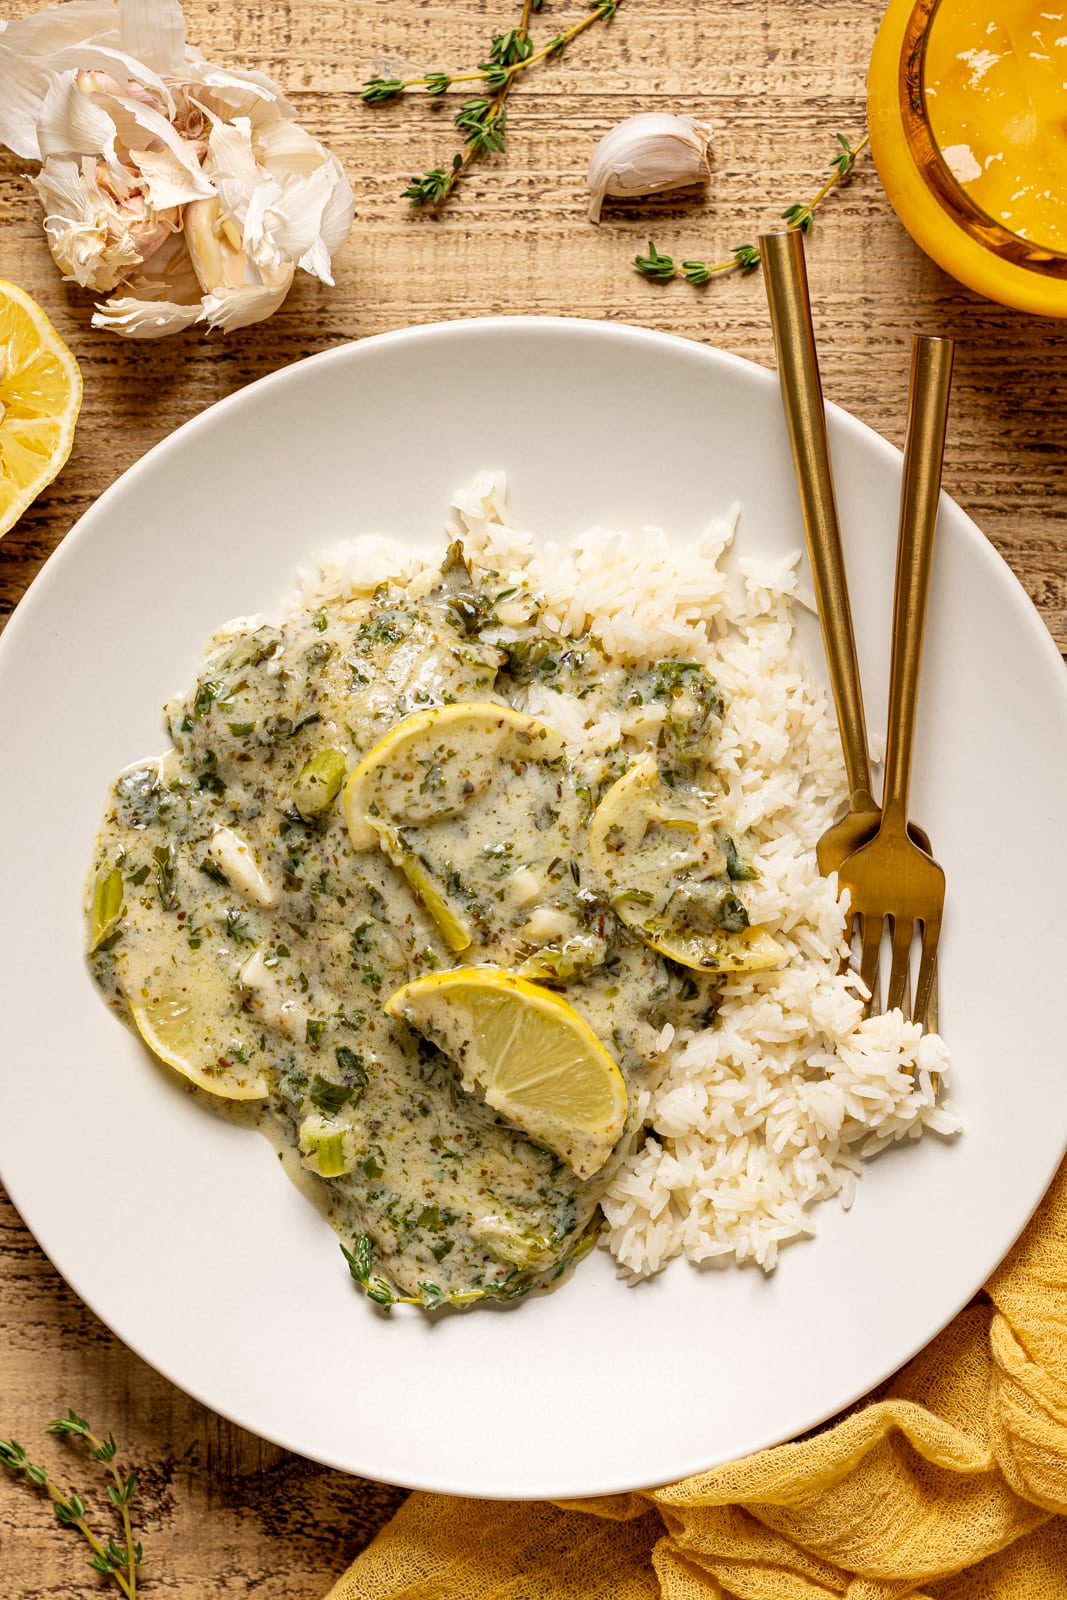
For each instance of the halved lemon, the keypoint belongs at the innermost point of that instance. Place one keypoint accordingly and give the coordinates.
(434, 761)
(173, 1028)
(658, 853)
(539, 1063)
(40, 395)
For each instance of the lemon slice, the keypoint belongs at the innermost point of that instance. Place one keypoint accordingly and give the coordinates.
(538, 1062)
(40, 393)
(657, 850)
(172, 1026)
(432, 763)
(429, 769)
(746, 951)
(642, 831)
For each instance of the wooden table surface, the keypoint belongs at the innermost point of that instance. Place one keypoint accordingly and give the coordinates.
(224, 1513)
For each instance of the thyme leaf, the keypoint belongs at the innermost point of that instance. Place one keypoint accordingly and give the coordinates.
(376, 90)
(656, 267)
(433, 187)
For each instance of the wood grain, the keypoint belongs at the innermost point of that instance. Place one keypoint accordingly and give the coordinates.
(224, 1513)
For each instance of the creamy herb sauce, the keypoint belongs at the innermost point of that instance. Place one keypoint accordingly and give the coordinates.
(230, 880)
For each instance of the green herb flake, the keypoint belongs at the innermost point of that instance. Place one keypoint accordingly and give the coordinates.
(352, 1066)
(737, 868)
(327, 1096)
(207, 693)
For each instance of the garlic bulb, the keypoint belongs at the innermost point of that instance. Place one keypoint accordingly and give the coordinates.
(189, 189)
(647, 154)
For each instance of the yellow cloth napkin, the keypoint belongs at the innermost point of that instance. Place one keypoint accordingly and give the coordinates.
(952, 1485)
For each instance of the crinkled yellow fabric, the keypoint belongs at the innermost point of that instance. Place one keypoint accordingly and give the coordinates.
(952, 1485)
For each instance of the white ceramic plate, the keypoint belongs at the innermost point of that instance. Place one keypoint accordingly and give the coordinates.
(180, 1231)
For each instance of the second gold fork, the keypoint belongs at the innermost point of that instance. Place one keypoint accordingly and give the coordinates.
(891, 881)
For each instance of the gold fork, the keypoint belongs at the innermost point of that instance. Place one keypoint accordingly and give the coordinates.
(891, 880)
(785, 275)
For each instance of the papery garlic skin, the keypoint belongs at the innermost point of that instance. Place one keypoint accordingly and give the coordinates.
(95, 233)
(648, 154)
(188, 188)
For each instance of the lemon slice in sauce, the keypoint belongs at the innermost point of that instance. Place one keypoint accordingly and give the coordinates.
(539, 1063)
(173, 1028)
(430, 764)
(427, 770)
(659, 854)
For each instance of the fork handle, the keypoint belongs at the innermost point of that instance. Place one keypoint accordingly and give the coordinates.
(786, 278)
(924, 445)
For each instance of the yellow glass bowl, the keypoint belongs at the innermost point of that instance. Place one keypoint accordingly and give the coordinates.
(942, 219)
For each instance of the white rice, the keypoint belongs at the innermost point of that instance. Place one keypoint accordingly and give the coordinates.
(753, 1121)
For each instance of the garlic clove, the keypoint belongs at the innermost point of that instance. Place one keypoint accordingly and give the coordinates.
(237, 93)
(237, 289)
(99, 229)
(228, 309)
(167, 181)
(168, 273)
(164, 297)
(230, 163)
(214, 245)
(286, 190)
(301, 221)
(648, 154)
(334, 225)
(139, 125)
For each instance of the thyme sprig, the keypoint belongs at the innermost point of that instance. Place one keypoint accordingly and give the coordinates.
(118, 1561)
(482, 120)
(745, 258)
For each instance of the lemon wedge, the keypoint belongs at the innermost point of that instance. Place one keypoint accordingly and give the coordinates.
(539, 1064)
(40, 394)
(432, 763)
(657, 850)
(173, 1028)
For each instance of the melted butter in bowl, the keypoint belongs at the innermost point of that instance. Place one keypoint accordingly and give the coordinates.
(995, 87)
